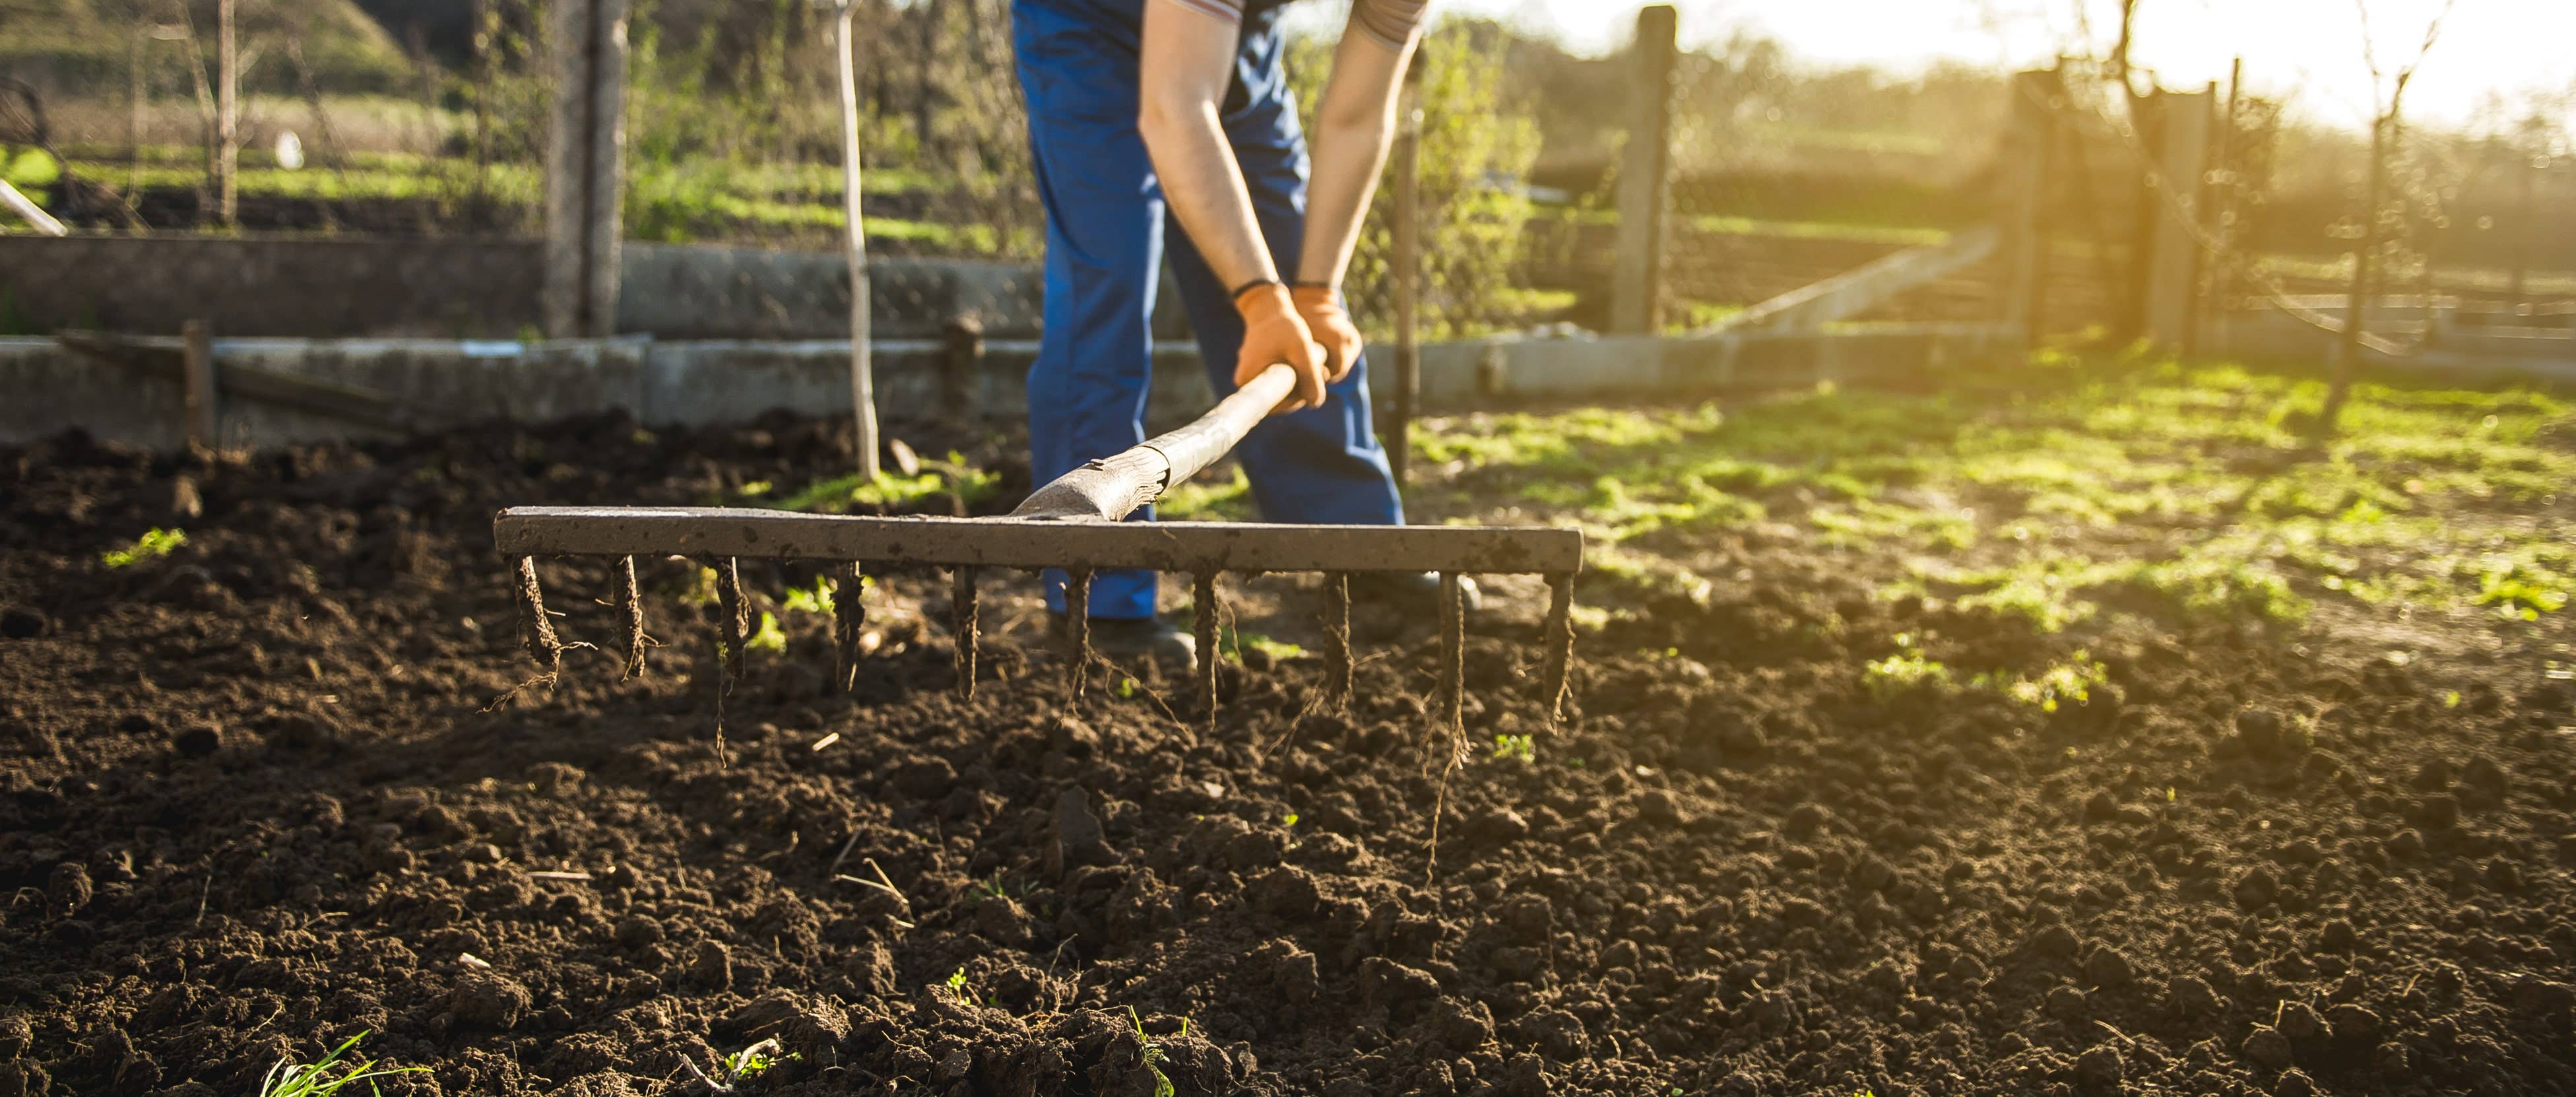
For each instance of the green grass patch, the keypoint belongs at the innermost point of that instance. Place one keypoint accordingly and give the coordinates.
(2077, 486)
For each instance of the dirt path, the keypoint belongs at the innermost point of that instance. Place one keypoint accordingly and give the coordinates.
(254, 803)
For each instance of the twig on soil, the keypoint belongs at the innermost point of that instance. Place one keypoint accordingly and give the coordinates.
(470, 960)
(202, 894)
(844, 855)
(825, 741)
(549, 874)
(712, 1084)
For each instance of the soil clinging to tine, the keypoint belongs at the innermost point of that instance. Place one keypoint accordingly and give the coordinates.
(1203, 616)
(849, 622)
(1077, 628)
(734, 612)
(629, 604)
(536, 629)
(1453, 665)
(1337, 641)
(1558, 635)
(963, 609)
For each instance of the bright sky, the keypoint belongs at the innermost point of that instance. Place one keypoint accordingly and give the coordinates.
(2308, 48)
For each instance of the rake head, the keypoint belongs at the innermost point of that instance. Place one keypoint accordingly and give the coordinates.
(1073, 524)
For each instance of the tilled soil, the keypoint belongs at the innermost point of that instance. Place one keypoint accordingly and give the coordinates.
(290, 783)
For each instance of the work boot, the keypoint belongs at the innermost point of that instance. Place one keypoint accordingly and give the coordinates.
(1412, 593)
(1125, 639)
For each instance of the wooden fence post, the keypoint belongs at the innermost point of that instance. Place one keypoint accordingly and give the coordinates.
(585, 166)
(1645, 176)
(2029, 148)
(2174, 259)
(227, 116)
(961, 380)
(1407, 274)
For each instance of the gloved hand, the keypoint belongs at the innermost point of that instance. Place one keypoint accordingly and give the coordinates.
(1320, 306)
(1272, 333)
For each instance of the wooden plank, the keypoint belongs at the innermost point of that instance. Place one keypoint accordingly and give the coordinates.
(1857, 291)
(1031, 544)
(350, 404)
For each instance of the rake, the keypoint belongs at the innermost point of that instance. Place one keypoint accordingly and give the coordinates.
(1073, 523)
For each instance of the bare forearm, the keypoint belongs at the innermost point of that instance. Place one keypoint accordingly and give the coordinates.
(1205, 189)
(1355, 123)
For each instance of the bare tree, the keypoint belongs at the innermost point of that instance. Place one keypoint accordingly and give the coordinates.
(2388, 112)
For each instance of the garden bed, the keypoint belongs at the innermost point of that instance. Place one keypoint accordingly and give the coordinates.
(284, 780)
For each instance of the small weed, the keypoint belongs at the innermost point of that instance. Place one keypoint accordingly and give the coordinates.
(1126, 689)
(1288, 820)
(816, 600)
(1516, 748)
(1152, 1052)
(2061, 683)
(769, 637)
(287, 1079)
(151, 546)
(965, 992)
(755, 489)
(990, 888)
(1903, 671)
(701, 590)
(754, 1061)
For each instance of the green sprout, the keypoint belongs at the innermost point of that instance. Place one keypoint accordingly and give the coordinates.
(817, 599)
(754, 1061)
(957, 985)
(287, 1079)
(769, 637)
(756, 488)
(1519, 748)
(150, 546)
(1126, 689)
(992, 889)
(1153, 1052)
(1288, 820)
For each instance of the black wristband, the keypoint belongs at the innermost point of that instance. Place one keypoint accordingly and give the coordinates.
(1250, 286)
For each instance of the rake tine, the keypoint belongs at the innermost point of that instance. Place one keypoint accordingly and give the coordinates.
(1453, 664)
(735, 610)
(1559, 638)
(1337, 641)
(963, 602)
(1077, 630)
(629, 603)
(849, 622)
(1203, 616)
(536, 630)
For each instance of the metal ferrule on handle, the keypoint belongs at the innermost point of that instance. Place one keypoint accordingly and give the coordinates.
(1113, 487)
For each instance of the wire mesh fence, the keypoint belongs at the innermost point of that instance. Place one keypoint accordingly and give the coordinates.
(433, 121)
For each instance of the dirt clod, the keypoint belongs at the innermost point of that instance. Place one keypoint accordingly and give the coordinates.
(488, 999)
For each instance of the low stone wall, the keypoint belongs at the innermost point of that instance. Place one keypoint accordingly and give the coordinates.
(46, 387)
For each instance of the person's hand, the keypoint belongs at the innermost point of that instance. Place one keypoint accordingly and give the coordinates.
(1273, 333)
(1320, 306)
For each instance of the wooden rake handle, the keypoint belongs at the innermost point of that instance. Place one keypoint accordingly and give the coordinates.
(1113, 487)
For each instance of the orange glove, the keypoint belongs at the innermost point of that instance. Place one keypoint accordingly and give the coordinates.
(1321, 307)
(1273, 333)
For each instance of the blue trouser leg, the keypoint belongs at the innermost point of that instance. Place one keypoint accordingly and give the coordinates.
(1322, 464)
(1106, 234)
(1104, 241)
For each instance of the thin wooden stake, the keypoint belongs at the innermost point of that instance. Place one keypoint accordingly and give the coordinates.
(964, 605)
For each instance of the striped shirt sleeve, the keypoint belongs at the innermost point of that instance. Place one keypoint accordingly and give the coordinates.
(1391, 22)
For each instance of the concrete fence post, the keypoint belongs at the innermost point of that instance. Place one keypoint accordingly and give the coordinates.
(2174, 258)
(585, 166)
(2029, 149)
(1645, 176)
